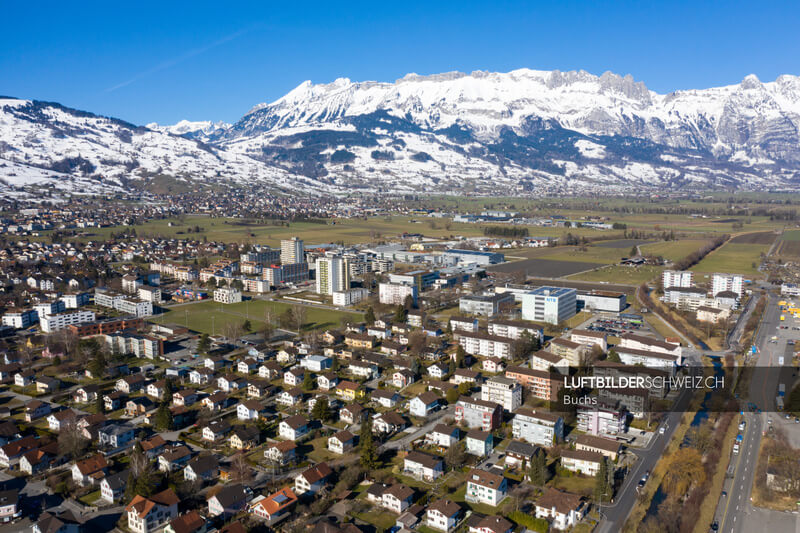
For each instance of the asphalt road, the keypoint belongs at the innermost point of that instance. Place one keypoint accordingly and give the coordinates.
(614, 515)
(735, 510)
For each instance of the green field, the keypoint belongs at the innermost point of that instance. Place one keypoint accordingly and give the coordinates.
(619, 274)
(673, 250)
(733, 258)
(211, 317)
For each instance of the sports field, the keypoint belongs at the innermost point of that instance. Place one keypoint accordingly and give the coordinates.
(211, 317)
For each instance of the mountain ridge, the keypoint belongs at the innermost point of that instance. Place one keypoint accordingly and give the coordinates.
(482, 132)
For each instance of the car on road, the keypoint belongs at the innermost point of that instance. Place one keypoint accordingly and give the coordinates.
(714, 526)
(662, 430)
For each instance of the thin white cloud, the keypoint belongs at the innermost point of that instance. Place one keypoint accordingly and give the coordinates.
(183, 57)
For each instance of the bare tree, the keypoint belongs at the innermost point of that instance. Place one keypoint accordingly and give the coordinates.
(71, 440)
(240, 469)
(298, 317)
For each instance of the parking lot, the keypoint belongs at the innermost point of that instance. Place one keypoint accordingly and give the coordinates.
(617, 326)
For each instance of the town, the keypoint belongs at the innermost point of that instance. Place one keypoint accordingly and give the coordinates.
(372, 365)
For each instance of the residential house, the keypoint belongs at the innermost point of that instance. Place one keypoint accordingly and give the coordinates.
(443, 436)
(191, 522)
(403, 378)
(479, 442)
(397, 498)
(349, 391)
(609, 448)
(443, 515)
(341, 442)
(519, 454)
(290, 397)
(311, 480)
(90, 471)
(59, 419)
(562, 509)
(228, 501)
(486, 487)
(424, 404)
(245, 437)
(129, 384)
(185, 397)
(153, 446)
(352, 413)
(174, 457)
(150, 514)
(585, 462)
(388, 423)
(275, 507)
(249, 410)
(86, 393)
(281, 453)
(202, 467)
(294, 377)
(423, 466)
(115, 435)
(215, 430)
(36, 409)
(112, 487)
(115, 400)
(294, 428)
(385, 398)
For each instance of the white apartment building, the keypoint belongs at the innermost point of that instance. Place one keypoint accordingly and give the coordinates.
(513, 329)
(396, 293)
(332, 275)
(504, 391)
(349, 297)
(292, 251)
(601, 419)
(727, 282)
(227, 295)
(49, 308)
(549, 304)
(485, 345)
(20, 318)
(75, 300)
(675, 278)
(59, 321)
(535, 427)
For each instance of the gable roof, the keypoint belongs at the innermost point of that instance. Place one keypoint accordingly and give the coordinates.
(317, 472)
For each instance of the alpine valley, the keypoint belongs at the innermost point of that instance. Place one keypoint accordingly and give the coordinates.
(520, 132)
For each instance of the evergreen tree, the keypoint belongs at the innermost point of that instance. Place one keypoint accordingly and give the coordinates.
(537, 472)
(99, 403)
(400, 314)
(203, 344)
(308, 381)
(163, 419)
(461, 354)
(247, 326)
(602, 487)
(613, 357)
(369, 316)
(321, 410)
(369, 449)
(408, 303)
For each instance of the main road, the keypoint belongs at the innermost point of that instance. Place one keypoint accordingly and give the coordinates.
(735, 511)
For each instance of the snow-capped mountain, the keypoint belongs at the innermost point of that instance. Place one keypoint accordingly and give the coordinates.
(200, 130)
(47, 144)
(526, 126)
(480, 132)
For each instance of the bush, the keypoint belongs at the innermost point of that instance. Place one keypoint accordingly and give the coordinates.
(540, 525)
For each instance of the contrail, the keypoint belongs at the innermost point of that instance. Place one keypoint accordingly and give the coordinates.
(172, 62)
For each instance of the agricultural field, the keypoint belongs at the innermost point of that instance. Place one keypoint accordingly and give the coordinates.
(212, 317)
(673, 250)
(789, 245)
(758, 237)
(735, 258)
(619, 274)
(625, 244)
(546, 268)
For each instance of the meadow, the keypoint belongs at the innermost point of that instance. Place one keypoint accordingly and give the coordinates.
(212, 317)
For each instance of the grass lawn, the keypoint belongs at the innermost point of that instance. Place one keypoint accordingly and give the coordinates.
(592, 254)
(320, 452)
(734, 258)
(211, 317)
(622, 275)
(482, 508)
(575, 484)
(91, 498)
(382, 520)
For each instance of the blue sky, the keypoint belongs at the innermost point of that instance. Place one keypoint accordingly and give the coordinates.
(164, 61)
